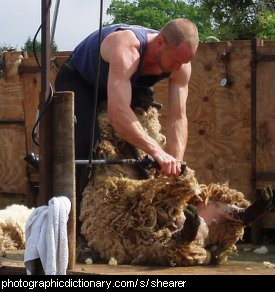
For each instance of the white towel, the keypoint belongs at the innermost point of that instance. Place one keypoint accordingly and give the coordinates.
(46, 237)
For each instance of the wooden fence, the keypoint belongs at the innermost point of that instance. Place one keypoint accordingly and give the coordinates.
(219, 117)
(220, 121)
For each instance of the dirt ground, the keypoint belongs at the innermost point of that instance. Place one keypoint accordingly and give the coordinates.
(245, 262)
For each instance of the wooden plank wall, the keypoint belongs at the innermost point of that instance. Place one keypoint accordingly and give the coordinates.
(11, 89)
(265, 161)
(219, 143)
(13, 170)
(32, 84)
(19, 99)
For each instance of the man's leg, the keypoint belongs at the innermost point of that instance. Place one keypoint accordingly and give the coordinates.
(69, 80)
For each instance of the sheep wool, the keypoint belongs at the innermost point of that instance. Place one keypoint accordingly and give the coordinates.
(12, 227)
(138, 221)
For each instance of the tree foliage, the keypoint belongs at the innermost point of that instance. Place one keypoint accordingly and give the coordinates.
(267, 25)
(155, 13)
(239, 19)
(28, 46)
(6, 47)
(224, 19)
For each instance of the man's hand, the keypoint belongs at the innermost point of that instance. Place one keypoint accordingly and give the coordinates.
(169, 166)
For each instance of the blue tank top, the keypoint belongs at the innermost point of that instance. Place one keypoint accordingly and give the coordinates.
(85, 54)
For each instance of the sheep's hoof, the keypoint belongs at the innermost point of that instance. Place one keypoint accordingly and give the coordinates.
(258, 207)
(215, 251)
(191, 224)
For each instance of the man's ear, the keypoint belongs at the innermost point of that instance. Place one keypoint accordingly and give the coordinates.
(161, 40)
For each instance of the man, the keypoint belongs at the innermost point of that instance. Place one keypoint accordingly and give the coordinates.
(132, 56)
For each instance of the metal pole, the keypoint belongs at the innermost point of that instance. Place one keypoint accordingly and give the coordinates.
(45, 139)
(54, 21)
(106, 161)
(63, 160)
(45, 179)
(256, 226)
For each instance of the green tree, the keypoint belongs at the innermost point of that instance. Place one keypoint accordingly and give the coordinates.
(155, 13)
(6, 47)
(224, 19)
(28, 46)
(267, 25)
(239, 19)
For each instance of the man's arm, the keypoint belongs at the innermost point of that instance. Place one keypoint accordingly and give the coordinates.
(177, 131)
(123, 57)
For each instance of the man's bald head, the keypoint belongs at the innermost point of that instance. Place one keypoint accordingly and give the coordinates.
(179, 30)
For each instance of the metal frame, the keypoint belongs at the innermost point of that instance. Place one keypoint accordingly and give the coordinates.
(45, 180)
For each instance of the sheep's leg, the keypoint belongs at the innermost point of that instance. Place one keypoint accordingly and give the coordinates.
(258, 207)
(191, 225)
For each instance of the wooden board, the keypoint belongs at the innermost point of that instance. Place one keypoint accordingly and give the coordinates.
(13, 174)
(11, 90)
(265, 114)
(58, 61)
(63, 144)
(219, 117)
(32, 84)
(219, 145)
(19, 100)
(245, 262)
(7, 199)
(64, 160)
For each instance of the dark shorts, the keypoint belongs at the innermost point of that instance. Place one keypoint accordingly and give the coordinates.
(68, 79)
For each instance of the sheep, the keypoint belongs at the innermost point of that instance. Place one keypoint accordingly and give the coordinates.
(160, 220)
(12, 227)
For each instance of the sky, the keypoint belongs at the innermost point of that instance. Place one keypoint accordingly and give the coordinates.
(76, 19)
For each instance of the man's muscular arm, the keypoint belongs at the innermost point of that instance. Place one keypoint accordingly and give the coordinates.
(121, 51)
(177, 131)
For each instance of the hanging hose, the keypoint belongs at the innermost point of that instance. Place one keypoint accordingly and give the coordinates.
(94, 108)
(87, 171)
(48, 102)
